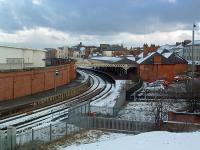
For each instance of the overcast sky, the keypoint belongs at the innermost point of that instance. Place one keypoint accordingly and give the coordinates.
(52, 23)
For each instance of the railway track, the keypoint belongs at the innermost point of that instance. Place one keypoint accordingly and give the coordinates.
(57, 111)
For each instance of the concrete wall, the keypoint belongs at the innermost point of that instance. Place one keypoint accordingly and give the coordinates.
(22, 83)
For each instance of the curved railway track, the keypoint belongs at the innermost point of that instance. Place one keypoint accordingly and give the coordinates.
(58, 111)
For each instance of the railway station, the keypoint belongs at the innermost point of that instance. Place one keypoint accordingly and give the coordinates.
(117, 67)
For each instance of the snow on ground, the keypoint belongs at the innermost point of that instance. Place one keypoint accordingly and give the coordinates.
(157, 140)
(88, 137)
(143, 111)
(109, 99)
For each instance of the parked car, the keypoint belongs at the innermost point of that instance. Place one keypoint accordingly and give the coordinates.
(181, 78)
(163, 82)
(154, 87)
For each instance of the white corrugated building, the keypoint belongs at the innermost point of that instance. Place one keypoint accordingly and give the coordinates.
(20, 58)
(187, 51)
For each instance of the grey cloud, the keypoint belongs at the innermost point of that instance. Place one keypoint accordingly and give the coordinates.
(100, 16)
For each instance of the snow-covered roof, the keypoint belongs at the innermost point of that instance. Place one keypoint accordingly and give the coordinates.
(167, 46)
(131, 58)
(167, 55)
(160, 50)
(82, 48)
(106, 58)
(141, 55)
(145, 58)
(180, 46)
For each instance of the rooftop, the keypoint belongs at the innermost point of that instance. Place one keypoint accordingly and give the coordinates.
(117, 60)
(23, 48)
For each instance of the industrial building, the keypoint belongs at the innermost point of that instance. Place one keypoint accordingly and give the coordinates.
(21, 58)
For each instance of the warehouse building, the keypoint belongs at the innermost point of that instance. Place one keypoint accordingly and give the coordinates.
(20, 58)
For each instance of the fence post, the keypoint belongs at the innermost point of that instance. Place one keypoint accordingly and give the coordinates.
(50, 134)
(134, 96)
(2, 140)
(112, 124)
(122, 124)
(11, 137)
(129, 125)
(117, 125)
(66, 128)
(32, 135)
(104, 123)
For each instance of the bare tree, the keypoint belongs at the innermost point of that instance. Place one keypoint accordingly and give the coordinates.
(161, 104)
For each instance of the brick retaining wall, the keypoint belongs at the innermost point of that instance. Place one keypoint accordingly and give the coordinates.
(20, 83)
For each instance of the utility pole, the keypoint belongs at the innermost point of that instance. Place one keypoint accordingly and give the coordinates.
(193, 52)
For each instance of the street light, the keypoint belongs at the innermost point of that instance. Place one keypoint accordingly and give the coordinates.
(56, 74)
(193, 51)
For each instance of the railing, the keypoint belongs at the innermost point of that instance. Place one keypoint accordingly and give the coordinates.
(71, 92)
(113, 124)
(133, 89)
(145, 96)
(32, 138)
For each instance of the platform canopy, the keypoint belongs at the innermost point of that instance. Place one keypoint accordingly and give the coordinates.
(104, 61)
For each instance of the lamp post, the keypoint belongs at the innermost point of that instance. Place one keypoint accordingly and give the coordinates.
(193, 51)
(56, 74)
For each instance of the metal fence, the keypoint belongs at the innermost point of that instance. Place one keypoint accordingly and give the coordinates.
(79, 118)
(114, 124)
(153, 96)
(33, 137)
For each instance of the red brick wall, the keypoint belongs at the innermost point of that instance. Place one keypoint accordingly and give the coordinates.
(179, 68)
(72, 72)
(6, 92)
(22, 83)
(183, 117)
(153, 72)
(158, 71)
(38, 82)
